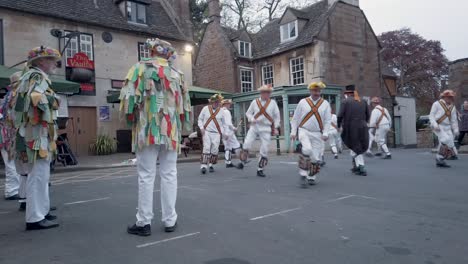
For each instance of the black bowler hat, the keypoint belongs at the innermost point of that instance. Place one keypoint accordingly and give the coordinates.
(350, 88)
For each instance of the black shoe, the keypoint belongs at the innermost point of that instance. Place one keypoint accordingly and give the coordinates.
(323, 163)
(369, 154)
(44, 224)
(229, 165)
(311, 181)
(22, 207)
(139, 230)
(211, 169)
(387, 157)
(260, 173)
(240, 166)
(355, 170)
(442, 164)
(336, 156)
(50, 217)
(362, 171)
(53, 208)
(378, 154)
(12, 198)
(203, 170)
(303, 182)
(170, 229)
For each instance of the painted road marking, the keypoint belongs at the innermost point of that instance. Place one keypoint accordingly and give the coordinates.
(87, 201)
(273, 214)
(341, 198)
(5, 212)
(289, 162)
(166, 240)
(346, 196)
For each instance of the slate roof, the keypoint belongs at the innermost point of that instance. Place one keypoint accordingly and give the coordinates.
(105, 14)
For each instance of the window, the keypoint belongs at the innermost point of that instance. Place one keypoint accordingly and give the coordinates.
(245, 49)
(267, 74)
(84, 44)
(136, 12)
(246, 78)
(289, 31)
(296, 67)
(142, 52)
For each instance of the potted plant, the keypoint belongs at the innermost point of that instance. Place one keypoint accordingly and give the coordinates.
(103, 145)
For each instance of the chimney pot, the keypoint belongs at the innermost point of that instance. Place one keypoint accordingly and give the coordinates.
(214, 10)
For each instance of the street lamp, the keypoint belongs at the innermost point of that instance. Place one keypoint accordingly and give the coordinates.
(188, 48)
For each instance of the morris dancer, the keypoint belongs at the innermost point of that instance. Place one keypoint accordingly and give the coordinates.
(264, 118)
(7, 136)
(353, 118)
(334, 136)
(311, 123)
(380, 124)
(211, 124)
(35, 113)
(444, 124)
(231, 144)
(156, 105)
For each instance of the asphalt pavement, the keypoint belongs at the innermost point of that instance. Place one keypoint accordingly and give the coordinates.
(405, 211)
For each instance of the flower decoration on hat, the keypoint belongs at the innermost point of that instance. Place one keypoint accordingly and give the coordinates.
(43, 52)
(216, 98)
(317, 85)
(265, 88)
(161, 48)
(447, 93)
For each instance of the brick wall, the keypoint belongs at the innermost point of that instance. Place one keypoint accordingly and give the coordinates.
(350, 53)
(215, 65)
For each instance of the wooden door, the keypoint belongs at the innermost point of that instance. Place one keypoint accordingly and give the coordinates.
(81, 129)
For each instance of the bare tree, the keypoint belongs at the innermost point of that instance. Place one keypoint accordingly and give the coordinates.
(239, 8)
(271, 6)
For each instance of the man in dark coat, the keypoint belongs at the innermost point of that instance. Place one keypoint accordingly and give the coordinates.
(353, 118)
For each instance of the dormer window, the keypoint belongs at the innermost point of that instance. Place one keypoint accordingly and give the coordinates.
(136, 12)
(289, 31)
(245, 49)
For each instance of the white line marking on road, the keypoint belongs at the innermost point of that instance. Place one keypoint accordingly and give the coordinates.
(87, 201)
(341, 198)
(5, 212)
(359, 195)
(166, 240)
(273, 214)
(289, 162)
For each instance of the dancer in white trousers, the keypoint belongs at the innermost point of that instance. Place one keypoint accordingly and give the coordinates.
(7, 136)
(444, 124)
(334, 137)
(157, 130)
(264, 118)
(311, 124)
(231, 144)
(35, 105)
(380, 124)
(211, 123)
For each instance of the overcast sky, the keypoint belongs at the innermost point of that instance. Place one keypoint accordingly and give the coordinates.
(444, 20)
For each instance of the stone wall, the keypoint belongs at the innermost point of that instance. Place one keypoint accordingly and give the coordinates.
(458, 80)
(425, 138)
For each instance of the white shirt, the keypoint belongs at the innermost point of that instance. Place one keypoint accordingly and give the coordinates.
(303, 108)
(228, 128)
(375, 116)
(437, 111)
(205, 116)
(272, 110)
(334, 121)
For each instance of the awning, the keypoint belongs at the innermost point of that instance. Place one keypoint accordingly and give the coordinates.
(59, 85)
(198, 95)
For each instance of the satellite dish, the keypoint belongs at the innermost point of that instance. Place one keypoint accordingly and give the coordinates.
(107, 37)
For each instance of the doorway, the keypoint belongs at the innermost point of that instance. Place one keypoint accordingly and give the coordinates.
(81, 129)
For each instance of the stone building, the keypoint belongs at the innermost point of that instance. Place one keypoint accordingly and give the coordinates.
(330, 41)
(108, 37)
(458, 79)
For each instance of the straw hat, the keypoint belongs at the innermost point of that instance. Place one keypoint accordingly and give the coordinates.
(216, 98)
(265, 88)
(447, 93)
(226, 101)
(43, 52)
(317, 85)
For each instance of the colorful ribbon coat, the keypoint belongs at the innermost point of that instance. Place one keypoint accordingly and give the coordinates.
(155, 104)
(35, 117)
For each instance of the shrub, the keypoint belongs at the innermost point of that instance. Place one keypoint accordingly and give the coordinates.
(103, 145)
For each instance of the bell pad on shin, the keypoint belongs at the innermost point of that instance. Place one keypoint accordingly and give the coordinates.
(314, 169)
(214, 159)
(263, 162)
(244, 155)
(304, 162)
(446, 152)
(205, 158)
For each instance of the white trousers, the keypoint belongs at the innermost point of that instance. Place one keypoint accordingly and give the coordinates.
(37, 194)
(11, 177)
(445, 136)
(146, 168)
(264, 133)
(211, 142)
(312, 144)
(381, 137)
(359, 159)
(231, 145)
(371, 140)
(334, 139)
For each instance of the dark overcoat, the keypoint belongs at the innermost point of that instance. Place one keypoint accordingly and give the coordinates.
(464, 120)
(353, 118)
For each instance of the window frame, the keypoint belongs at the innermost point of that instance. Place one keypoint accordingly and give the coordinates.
(242, 82)
(291, 73)
(296, 31)
(272, 74)
(78, 46)
(140, 47)
(243, 43)
(137, 12)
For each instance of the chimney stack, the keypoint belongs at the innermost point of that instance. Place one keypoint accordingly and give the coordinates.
(214, 11)
(351, 2)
